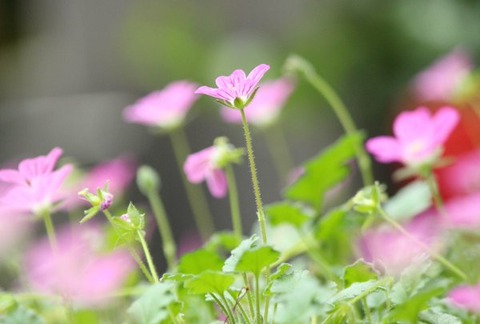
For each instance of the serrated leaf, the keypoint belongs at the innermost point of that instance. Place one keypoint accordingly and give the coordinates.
(257, 258)
(281, 271)
(286, 213)
(236, 254)
(355, 290)
(324, 171)
(153, 306)
(359, 271)
(199, 261)
(177, 277)
(210, 282)
(137, 218)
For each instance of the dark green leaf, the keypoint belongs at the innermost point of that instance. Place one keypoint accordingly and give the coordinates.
(324, 171)
(409, 310)
(359, 271)
(245, 245)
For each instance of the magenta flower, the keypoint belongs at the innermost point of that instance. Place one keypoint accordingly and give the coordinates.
(443, 78)
(466, 297)
(463, 212)
(392, 251)
(419, 137)
(166, 108)
(203, 166)
(463, 177)
(78, 270)
(35, 186)
(265, 107)
(237, 90)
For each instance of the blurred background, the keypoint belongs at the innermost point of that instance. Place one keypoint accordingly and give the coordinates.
(69, 68)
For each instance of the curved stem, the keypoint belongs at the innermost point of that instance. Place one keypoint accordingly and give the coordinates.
(253, 172)
(423, 246)
(195, 194)
(340, 111)
(234, 205)
(169, 247)
(47, 219)
(278, 147)
(148, 256)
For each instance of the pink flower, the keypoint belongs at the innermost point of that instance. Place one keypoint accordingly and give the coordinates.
(35, 186)
(466, 297)
(13, 228)
(166, 108)
(442, 79)
(203, 166)
(265, 106)
(419, 137)
(392, 250)
(463, 212)
(236, 90)
(78, 270)
(463, 177)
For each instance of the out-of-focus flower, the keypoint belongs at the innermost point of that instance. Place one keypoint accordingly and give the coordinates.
(35, 186)
(208, 164)
(13, 228)
(463, 212)
(165, 109)
(466, 297)
(419, 137)
(442, 79)
(237, 90)
(78, 270)
(392, 250)
(265, 107)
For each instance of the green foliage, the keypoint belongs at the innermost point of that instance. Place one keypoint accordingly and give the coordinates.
(409, 310)
(325, 171)
(20, 315)
(256, 259)
(232, 261)
(360, 271)
(409, 201)
(287, 213)
(210, 282)
(199, 261)
(156, 305)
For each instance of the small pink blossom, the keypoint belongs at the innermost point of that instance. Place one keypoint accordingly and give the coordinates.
(265, 107)
(466, 297)
(203, 166)
(442, 79)
(78, 270)
(237, 89)
(419, 137)
(392, 250)
(166, 108)
(35, 185)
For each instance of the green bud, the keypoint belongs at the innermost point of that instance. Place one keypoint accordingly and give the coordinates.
(226, 153)
(369, 199)
(147, 179)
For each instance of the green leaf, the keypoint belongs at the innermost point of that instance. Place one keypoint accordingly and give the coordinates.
(286, 213)
(409, 310)
(199, 261)
(359, 271)
(21, 315)
(283, 270)
(356, 289)
(222, 240)
(245, 245)
(7, 303)
(85, 316)
(433, 316)
(210, 282)
(257, 258)
(137, 218)
(153, 306)
(409, 201)
(324, 172)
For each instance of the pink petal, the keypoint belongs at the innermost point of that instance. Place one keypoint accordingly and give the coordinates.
(212, 92)
(12, 176)
(223, 82)
(444, 122)
(31, 168)
(197, 165)
(231, 115)
(217, 183)
(466, 297)
(258, 72)
(410, 125)
(385, 149)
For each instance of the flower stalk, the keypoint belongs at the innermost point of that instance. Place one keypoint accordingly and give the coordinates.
(234, 204)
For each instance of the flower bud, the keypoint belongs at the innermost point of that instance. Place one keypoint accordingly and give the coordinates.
(147, 179)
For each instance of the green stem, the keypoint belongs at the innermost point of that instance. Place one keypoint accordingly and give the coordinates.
(238, 303)
(228, 307)
(249, 294)
(257, 299)
(253, 172)
(369, 290)
(423, 246)
(340, 111)
(366, 310)
(278, 148)
(148, 256)
(47, 219)
(223, 307)
(195, 194)
(169, 247)
(132, 251)
(437, 199)
(234, 205)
